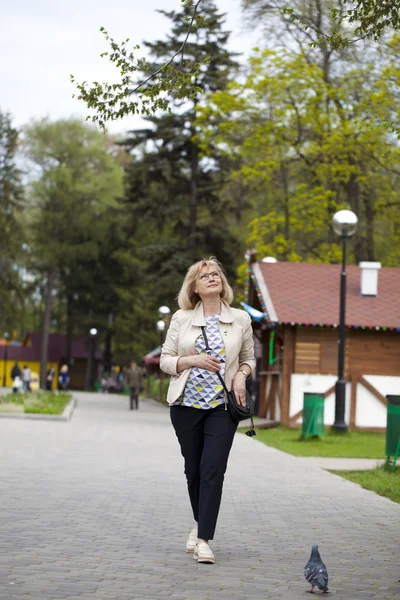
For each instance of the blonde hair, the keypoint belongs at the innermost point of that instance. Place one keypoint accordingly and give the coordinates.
(187, 297)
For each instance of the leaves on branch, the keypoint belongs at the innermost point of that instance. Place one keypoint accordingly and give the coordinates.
(176, 77)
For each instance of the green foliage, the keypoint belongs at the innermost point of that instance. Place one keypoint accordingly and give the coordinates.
(47, 403)
(353, 444)
(303, 150)
(173, 78)
(174, 199)
(153, 388)
(351, 21)
(74, 195)
(11, 227)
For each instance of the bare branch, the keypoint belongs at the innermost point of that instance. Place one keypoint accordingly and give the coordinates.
(181, 49)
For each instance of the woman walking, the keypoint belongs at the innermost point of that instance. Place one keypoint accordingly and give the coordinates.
(199, 414)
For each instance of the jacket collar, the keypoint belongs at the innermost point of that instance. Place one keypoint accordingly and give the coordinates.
(198, 315)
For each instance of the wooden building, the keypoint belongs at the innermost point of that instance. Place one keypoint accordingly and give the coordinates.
(298, 349)
(28, 353)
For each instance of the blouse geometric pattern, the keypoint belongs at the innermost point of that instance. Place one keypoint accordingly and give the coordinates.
(203, 388)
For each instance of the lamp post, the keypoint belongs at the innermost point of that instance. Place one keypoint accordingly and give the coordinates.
(6, 335)
(161, 329)
(92, 354)
(344, 223)
(164, 313)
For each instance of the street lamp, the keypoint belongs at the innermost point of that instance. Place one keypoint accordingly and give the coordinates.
(6, 335)
(164, 313)
(161, 328)
(344, 223)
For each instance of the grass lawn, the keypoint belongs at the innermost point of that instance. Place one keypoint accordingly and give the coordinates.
(48, 403)
(380, 480)
(352, 444)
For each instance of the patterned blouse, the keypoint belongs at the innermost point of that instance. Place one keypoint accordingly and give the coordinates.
(203, 388)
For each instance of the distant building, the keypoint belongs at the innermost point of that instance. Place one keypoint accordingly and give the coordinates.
(29, 354)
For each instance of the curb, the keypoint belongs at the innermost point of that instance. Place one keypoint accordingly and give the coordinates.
(65, 416)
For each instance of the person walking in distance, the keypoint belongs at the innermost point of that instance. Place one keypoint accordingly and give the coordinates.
(199, 415)
(63, 378)
(26, 378)
(16, 371)
(134, 382)
(51, 373)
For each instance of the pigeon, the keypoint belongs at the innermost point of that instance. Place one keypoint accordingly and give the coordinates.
(315, 572)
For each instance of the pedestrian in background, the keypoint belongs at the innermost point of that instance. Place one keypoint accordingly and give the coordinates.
(134, 381)
(17, 384)
(202, 423)
(63, 379)
(16, 371)
(26, 378)
(51, 373)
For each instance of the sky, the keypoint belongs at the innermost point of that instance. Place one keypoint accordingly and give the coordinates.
(43, 42)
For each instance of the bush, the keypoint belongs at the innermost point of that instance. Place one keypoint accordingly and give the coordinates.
(41, 402)
(153, 388)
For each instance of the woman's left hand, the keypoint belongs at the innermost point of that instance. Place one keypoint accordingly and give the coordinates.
(239, 388)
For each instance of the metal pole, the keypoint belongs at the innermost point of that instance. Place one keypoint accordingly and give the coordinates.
(161, 373)
(92, 363)
(340, 387)
(5, 364)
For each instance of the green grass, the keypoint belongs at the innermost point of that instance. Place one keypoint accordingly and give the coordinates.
(352, 444)
(47, 403)
(380, 480)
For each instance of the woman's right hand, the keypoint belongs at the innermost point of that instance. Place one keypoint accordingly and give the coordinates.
(204, 361)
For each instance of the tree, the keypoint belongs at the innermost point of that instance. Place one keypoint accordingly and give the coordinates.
(77, 187)
(172, 78)
(170, 188)
(366, 19)
(300, 140)
(11, 226)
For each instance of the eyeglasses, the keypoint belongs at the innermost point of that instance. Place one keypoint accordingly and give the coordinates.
(206, 276)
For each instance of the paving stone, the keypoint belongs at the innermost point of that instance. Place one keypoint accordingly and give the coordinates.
(97, 509)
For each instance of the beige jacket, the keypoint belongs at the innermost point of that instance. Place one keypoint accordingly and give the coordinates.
(185, 328)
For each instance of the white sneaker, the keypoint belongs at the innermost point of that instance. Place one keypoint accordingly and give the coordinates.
(203, 553)
(192, 540)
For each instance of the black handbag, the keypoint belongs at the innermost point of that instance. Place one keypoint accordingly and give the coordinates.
(236, 410)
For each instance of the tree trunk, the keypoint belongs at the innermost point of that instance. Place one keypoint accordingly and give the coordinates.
(194, 161)
(46, 328)
(354, 199)
(370, 214)
(107, 351)
(286, 208)
(68, 339)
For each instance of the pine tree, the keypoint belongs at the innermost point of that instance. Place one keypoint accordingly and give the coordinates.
(168, 182)
(12, 232)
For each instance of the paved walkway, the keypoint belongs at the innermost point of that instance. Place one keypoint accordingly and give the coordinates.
(96, 508)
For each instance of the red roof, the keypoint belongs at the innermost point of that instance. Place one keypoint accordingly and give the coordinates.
(309, 294)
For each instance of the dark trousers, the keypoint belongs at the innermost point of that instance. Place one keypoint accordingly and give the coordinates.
(205, 437)
(134, 397)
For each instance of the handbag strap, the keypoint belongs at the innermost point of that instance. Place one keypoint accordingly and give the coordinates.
(208, 349)
(251, 431)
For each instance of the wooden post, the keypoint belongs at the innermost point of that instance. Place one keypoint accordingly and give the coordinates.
(274, 394)
(353, 401)
(287, 370)
(262, 405)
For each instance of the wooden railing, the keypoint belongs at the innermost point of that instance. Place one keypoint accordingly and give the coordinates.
(354, 379)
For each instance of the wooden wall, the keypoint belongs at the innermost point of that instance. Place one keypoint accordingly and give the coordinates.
(366, 352)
